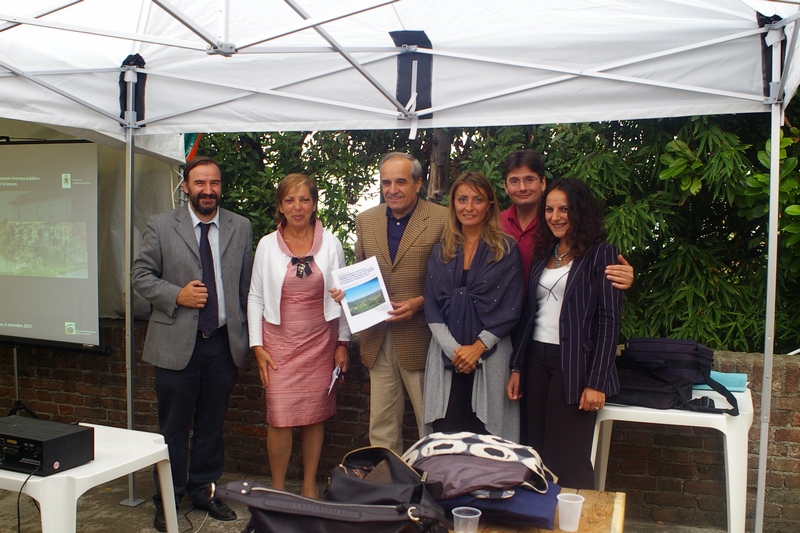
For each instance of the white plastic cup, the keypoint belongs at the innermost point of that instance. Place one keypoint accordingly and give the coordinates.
(569, 511)
(465, 519)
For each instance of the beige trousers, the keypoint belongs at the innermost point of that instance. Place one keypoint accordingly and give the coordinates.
(388, 380)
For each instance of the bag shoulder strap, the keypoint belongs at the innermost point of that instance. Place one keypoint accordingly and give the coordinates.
(688, 404)
(720, 388)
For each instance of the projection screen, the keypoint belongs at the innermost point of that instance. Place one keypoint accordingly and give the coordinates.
(48, 242)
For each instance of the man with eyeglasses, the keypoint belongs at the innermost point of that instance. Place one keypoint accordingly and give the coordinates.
(524, 182)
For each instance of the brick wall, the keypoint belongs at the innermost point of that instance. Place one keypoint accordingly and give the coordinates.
(676, 474)
(669, 473)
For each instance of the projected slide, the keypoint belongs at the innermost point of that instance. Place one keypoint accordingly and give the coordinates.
(48, 242)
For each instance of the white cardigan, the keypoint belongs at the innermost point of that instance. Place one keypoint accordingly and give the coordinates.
(266, 284)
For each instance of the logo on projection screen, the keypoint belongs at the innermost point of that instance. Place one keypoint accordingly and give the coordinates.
(71, 329)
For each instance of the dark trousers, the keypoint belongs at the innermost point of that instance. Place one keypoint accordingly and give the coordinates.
(561, 433)
(195, 397)
(459, 415)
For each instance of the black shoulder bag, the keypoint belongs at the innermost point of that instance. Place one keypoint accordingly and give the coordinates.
(658, 367)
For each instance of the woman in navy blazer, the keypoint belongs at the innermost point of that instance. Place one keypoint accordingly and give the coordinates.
(563, 361)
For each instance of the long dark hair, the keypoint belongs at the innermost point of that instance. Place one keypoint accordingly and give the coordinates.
(586, 227)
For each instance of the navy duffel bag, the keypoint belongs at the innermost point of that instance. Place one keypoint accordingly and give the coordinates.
(681, 358)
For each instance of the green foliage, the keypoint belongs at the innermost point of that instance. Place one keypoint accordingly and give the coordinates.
(248, 182)
(678, 208)
(686, 201)
(755, 206)
(343, 164)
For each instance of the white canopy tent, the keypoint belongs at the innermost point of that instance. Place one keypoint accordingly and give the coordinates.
(231, 65)
(270, 65)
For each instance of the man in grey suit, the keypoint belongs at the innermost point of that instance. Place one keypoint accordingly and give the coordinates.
(194, 269)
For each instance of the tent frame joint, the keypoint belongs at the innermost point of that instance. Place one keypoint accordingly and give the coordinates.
(774, 94)
(223, 49)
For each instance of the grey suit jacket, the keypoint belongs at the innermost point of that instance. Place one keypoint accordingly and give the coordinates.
(170, 258)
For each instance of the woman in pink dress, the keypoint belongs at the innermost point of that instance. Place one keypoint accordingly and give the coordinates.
(298, 334)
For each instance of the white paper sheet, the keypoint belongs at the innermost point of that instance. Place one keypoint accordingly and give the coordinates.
(366, 301)
(334, 377)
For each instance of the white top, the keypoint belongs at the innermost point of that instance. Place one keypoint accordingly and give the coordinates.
(550, 293)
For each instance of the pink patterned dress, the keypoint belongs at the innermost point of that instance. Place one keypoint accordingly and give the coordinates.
(303, 348)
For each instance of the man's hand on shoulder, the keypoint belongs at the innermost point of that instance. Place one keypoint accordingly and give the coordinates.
(194, 294)
(405, 310)
(621, 275)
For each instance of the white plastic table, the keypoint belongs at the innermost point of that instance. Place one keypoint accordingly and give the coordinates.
(117, 452)
(734, 429)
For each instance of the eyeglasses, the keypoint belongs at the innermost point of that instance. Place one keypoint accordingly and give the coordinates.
(529, 181)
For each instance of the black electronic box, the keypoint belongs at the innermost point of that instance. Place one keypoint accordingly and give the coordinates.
(43, 447)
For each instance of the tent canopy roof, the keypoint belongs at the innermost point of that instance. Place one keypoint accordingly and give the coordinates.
(272, 65)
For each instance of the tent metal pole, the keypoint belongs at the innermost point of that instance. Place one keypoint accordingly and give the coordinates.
(57, 90)
(772, 276)
(572, 73)
(133, 37)
(310, 23)
(130, 122)
(350, 59)
(289, 96)
(42, 13)
(186, 21)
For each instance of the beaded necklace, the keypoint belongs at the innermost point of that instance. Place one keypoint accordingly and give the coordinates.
(559, 258)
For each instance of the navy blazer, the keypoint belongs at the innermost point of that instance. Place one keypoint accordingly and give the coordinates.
(588, 326)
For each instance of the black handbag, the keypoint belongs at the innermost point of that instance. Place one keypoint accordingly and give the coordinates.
(669, 363)
(277, 511)
(377, 476)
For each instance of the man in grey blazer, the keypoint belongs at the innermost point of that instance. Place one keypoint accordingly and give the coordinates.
(196, 353)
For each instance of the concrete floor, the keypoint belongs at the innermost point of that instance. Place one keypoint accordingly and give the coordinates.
(100, 510)
(643, 526)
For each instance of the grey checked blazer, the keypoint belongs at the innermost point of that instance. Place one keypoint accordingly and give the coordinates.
(404, 279)
(170, 258)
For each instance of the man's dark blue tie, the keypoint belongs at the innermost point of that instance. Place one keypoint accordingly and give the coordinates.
(209, 316)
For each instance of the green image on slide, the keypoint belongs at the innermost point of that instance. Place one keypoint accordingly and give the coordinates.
(44, 249)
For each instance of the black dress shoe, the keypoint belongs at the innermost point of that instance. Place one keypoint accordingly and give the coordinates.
(218, 510)
(159, 522)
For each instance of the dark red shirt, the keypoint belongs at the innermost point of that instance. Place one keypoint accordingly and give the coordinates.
(524, 237)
